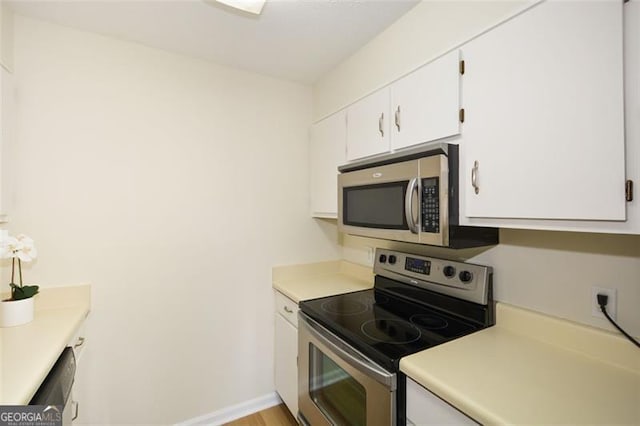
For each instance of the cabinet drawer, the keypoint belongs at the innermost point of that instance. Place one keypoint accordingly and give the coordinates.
(287, 308)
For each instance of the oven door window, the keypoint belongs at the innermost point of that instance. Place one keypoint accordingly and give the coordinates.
(375, 206)
(338, 395)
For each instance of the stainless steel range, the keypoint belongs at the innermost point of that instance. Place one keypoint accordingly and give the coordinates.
(350, 345)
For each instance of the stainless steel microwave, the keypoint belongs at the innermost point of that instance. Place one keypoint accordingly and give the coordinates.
(410, 198)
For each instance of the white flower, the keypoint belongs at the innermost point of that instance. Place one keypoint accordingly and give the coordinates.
(26, 251)
(8, 245)
(21, 247)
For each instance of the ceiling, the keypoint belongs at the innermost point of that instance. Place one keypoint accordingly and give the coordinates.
(297, 40)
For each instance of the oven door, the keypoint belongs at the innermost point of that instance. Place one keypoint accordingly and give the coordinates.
(337, 385)
(381, 202)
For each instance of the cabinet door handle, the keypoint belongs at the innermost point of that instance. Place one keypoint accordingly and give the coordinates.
(288, 310)
(79, 343)
(398, 117)
(474, 177)
(75, 414)
(380, 124)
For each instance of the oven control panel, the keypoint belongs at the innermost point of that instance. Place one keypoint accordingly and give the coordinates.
(419, 266)
(459, 279)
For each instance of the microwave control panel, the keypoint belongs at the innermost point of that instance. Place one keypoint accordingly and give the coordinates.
(430, 213)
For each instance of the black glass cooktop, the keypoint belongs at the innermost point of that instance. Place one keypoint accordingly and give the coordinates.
(386, 327)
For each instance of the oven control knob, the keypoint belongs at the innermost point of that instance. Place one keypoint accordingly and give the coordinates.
(449, 271)
(382, 258)
(392, 259)
(465, 276)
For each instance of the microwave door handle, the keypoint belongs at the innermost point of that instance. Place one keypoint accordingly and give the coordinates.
(408, 206)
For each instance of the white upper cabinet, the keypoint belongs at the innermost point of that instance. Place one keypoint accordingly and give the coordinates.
(421, 107)
(326, 152)
(425, 104)
(543, 136)
(368, 126)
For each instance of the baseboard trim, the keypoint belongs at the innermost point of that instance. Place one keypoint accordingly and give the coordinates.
(235, 411)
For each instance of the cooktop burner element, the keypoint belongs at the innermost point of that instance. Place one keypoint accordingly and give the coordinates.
(377, 299)
(344, 307)
(392, 331)
(429, 321)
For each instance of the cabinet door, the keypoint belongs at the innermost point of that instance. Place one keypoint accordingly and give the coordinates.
(326, 152)
(425, 408)
(368, 126)
(286, 368)
(543, 135)
(425, 104)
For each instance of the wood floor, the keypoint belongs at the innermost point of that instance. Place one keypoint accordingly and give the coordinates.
(274, 416)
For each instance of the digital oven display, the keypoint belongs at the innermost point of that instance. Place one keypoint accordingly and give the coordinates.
(420, 266)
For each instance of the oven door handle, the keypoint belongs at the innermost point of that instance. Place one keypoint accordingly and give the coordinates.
(408, 205)
(347, 353)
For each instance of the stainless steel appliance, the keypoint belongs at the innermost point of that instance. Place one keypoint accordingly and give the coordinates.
(412, 198)
(350, 345)
(57, 389)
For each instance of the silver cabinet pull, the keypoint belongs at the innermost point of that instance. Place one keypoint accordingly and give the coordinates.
(398, 117)
(474, 177)
(75, 414)
(288, 310)
(380, 124)
(80, 342)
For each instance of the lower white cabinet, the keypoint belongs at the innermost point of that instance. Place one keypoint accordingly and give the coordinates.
(425, 408)
(286, 352)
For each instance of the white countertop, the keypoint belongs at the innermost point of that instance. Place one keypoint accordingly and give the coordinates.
(28, 352)
(534, 369)
(309, 281)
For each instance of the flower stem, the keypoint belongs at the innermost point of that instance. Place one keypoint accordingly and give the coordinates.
(20, 270)
(13, 266)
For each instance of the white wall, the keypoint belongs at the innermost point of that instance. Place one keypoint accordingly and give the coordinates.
(172, 185)
(551, 272)
(425, 32)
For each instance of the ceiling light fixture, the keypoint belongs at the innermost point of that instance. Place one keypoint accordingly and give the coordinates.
(250, 6)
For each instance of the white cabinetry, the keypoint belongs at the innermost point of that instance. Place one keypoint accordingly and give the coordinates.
(543, 136)
(421, 107)
(426, 103)
(368, 126)
(286, 351)
(326, 152)
(425, 408)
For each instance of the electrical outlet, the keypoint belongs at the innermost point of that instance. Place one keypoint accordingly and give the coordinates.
(611, 303)
(370, 253)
